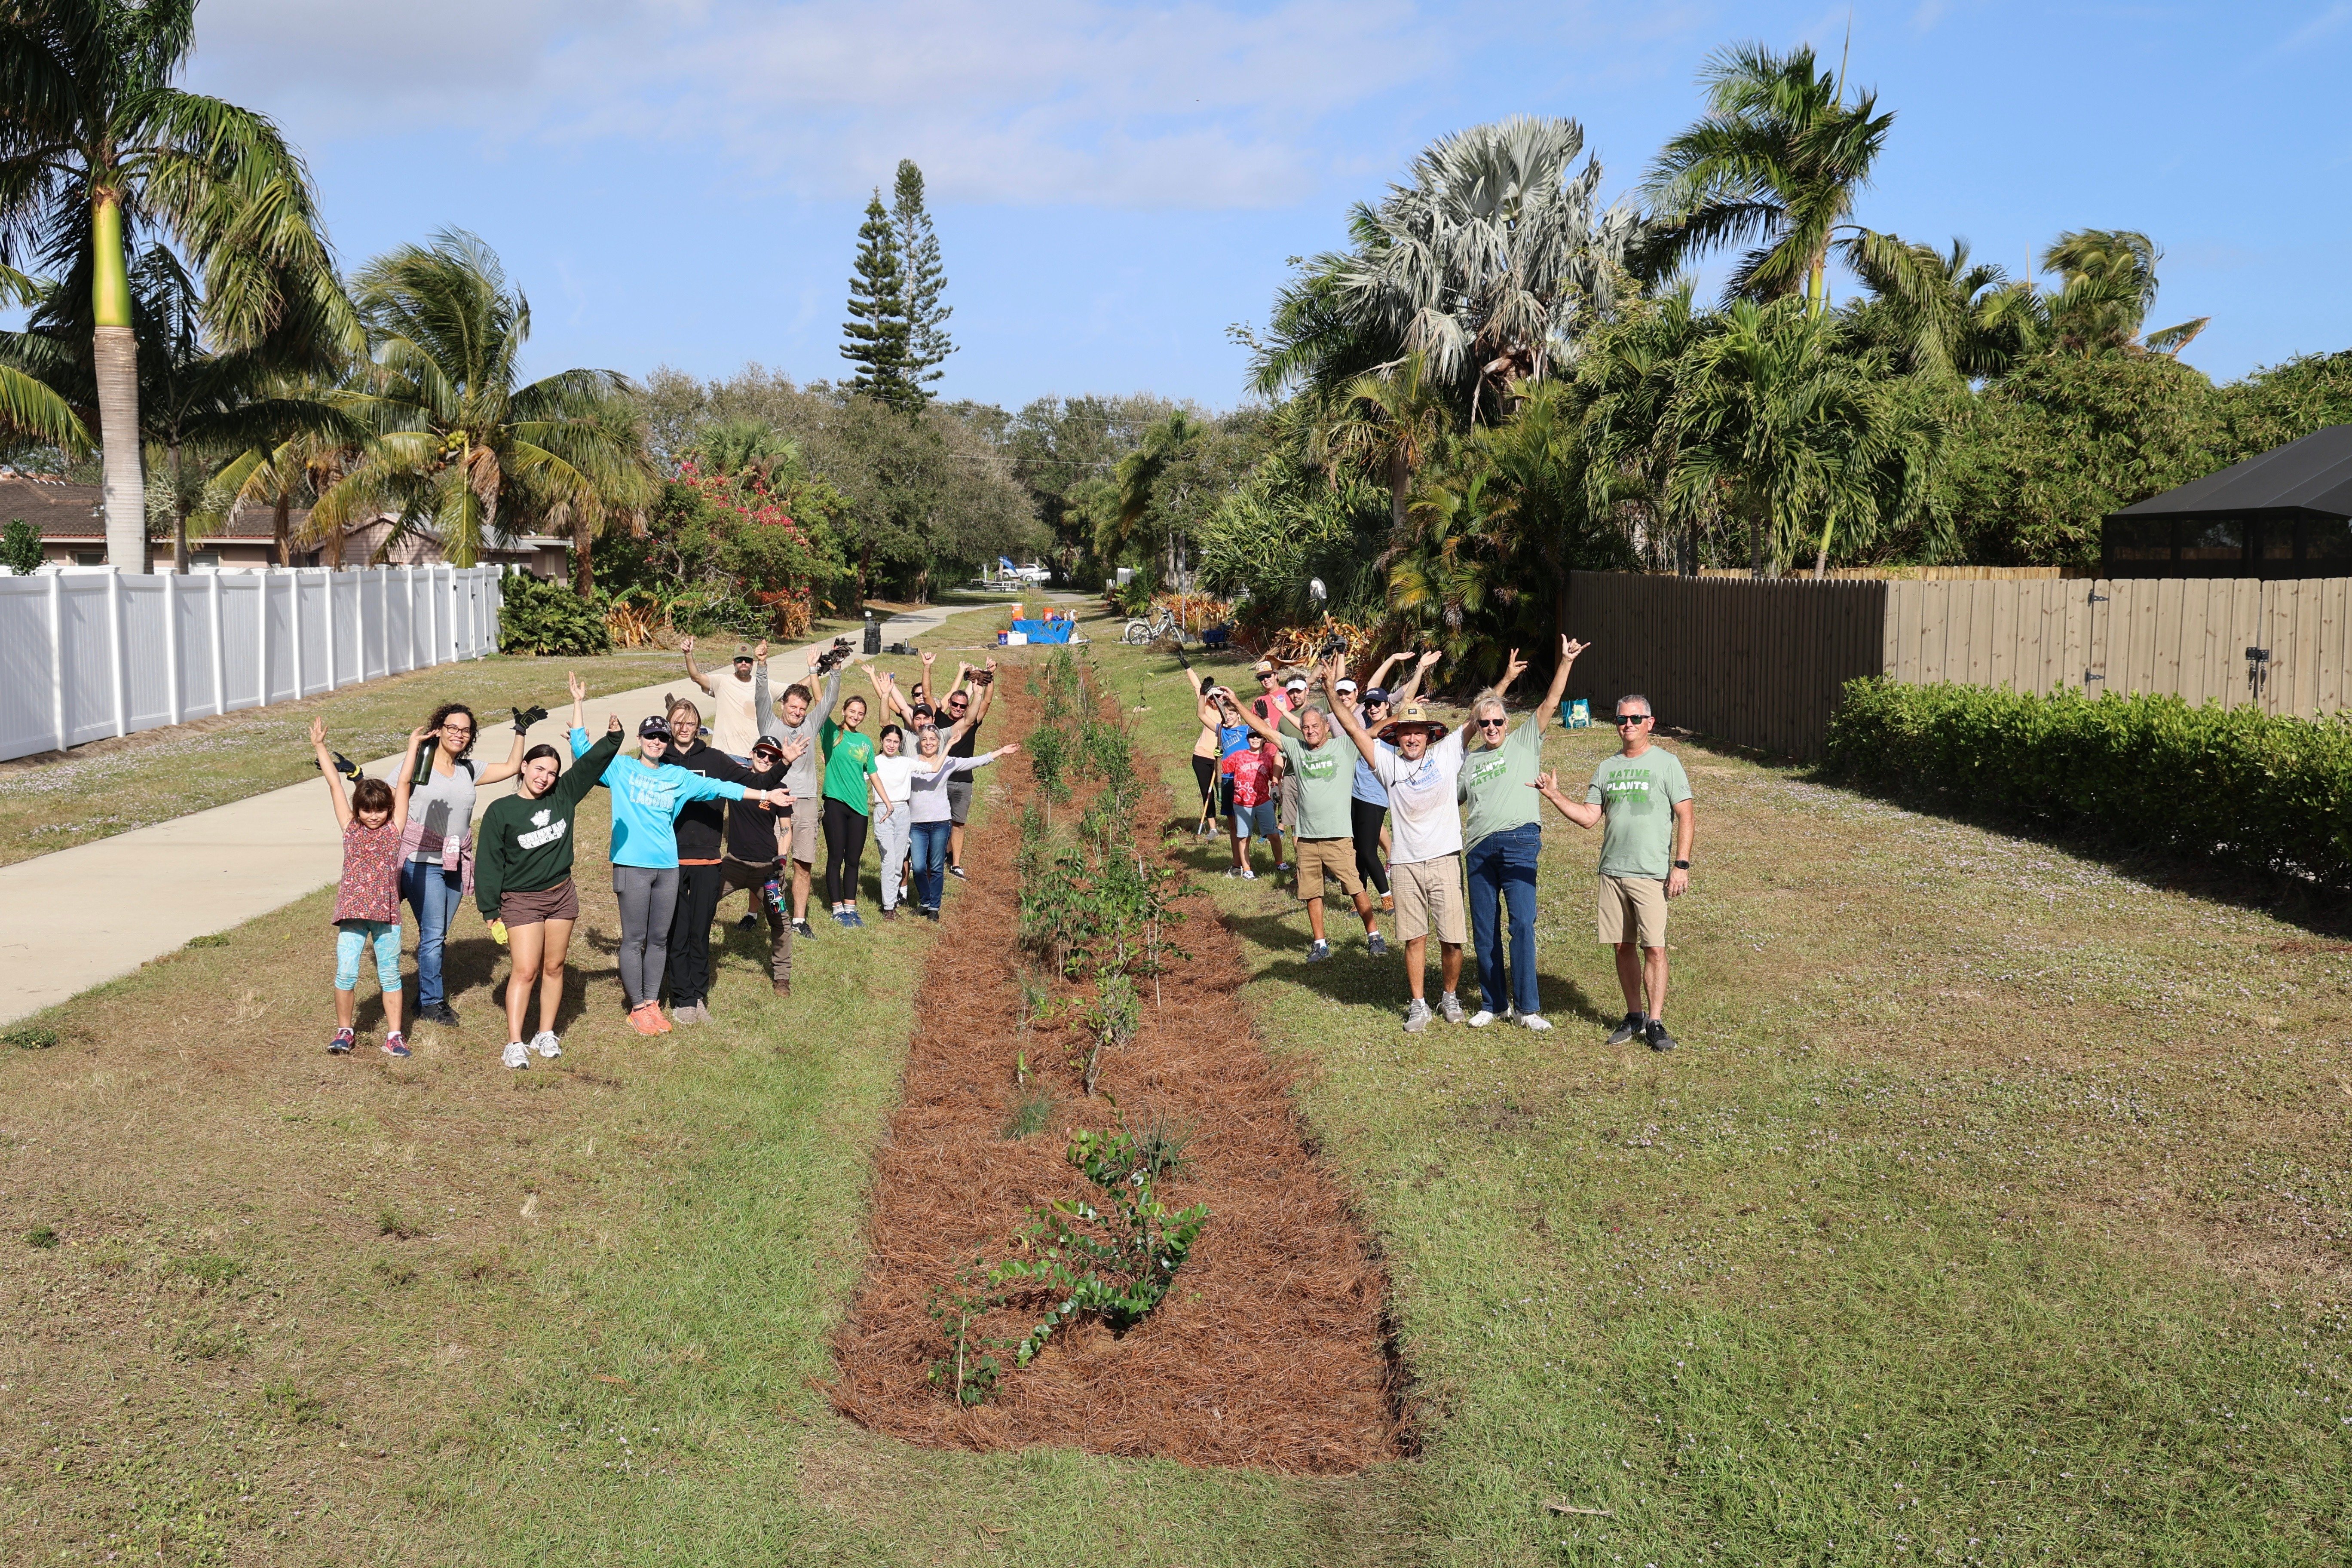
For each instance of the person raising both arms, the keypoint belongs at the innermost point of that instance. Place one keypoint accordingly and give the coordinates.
(1503, 840)
(963, 713)
(734, 699)
(437, 846)
(1419, 760)
(1645, 796)
(522, 877)
(853, 794)
(1250, 771)
(796, 726)
(646, 799)
(1368, 804)
(1324, 769)
(367, 898)
(1206, 753)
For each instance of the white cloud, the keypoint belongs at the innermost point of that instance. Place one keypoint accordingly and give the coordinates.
(1196, 104)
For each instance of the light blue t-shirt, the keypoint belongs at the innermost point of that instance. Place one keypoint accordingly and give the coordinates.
(1369, 788)
(645, 803)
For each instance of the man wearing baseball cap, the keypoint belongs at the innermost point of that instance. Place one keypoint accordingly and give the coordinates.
(753, 860)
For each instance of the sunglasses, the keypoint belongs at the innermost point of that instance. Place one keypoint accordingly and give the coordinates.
(1625, 718)
(1493, 724)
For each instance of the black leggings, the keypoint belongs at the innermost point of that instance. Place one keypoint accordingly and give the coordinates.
(1205, 773)
(845, 846)
(1367, 819)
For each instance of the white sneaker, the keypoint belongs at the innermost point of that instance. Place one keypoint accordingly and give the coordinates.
(1449, 1007)
(1535, 1021)
(546, 1044)
(1480, 1019)
(518, 1055)
(1248, 875)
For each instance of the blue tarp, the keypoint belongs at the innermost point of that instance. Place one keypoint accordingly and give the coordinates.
(1045, 631)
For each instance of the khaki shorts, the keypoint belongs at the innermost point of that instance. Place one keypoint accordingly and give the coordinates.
(1429, 895)
(806, 809)
(1288, 794)
(1332, 857)
(1633, 909)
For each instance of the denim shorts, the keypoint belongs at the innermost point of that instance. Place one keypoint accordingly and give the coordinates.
(1262, 820)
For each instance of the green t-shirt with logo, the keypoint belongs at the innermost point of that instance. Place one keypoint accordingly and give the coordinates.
(1496, 779)
(1639, 795)
(848, 759)
(1326, 782)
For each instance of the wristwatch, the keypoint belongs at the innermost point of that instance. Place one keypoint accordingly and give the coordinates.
(1682, 865)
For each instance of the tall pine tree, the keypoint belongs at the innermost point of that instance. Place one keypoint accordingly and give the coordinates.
(922, 278)
(875, 337)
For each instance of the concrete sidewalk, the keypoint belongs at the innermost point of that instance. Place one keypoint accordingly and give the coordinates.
(84, 915)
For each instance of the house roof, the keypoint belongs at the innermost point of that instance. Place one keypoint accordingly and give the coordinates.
(62, 511)
(2314, 474)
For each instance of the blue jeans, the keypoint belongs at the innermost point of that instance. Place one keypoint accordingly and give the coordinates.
(432, 893)
(930, 847)
(1501, 869)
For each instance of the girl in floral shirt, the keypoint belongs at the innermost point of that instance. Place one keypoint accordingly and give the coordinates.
(367, 901)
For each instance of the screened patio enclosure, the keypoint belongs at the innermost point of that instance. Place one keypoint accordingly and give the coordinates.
(2286, 513)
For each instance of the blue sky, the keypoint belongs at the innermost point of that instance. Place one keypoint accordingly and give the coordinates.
(680, 180)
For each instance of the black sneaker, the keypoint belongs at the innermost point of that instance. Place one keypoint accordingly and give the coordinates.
(957, 873)
(1636, 1026)
(439, 1013)
(749, 923)
(1659, 1039)
(801, 929)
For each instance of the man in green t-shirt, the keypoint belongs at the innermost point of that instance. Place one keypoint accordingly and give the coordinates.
(1325, 767)
(1645, 848)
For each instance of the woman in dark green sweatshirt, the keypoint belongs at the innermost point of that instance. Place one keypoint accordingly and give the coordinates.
(523, 874)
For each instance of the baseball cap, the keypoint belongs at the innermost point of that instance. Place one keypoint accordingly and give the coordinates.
(1296, 683)
(1262, 667)
(654, 727)
(1345, 683)
(1375, 694)
(769, 744)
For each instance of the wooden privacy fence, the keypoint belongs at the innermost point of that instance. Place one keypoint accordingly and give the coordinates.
(1760, 663)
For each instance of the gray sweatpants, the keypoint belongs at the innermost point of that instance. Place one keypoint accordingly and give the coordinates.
(648, 897)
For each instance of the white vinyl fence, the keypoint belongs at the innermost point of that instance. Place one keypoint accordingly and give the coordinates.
(87, 654)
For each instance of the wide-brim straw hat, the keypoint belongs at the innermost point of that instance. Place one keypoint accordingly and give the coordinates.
(1414, 716)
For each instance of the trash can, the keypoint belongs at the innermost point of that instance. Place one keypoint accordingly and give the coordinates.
(873, 634)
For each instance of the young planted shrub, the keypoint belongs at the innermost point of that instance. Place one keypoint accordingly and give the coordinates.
(1114, 1257)
(1113, 1019)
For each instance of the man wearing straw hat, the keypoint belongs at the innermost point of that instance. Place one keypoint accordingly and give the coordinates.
(1419, 760)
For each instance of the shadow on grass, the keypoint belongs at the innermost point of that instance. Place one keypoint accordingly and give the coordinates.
(2321, 910)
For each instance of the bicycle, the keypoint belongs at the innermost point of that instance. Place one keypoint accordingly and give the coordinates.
(1143, 630)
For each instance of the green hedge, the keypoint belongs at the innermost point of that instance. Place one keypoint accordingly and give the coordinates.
(2231, 785)
(542, 617)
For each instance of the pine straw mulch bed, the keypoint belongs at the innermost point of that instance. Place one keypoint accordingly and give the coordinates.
(1271, 1350)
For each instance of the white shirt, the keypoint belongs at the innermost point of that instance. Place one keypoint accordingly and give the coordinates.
(897, 776)
(1425, 823)
(734, 714)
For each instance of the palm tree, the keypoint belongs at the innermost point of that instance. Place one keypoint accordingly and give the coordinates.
(1941, 312)
(2107, 286)
(29, 406)
(1774, 165)
(1486, 265)
(98, 148)
(1391, 422)
(453, 445)
(1775, 416)
(1627, 381)
(1153, 486)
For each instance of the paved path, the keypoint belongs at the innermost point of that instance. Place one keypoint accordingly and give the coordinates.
(71, 920)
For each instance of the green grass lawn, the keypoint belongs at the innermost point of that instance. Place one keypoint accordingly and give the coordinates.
(1995, 1210)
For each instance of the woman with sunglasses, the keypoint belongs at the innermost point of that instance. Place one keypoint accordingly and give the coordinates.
(1502, 838)
(436, 859)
